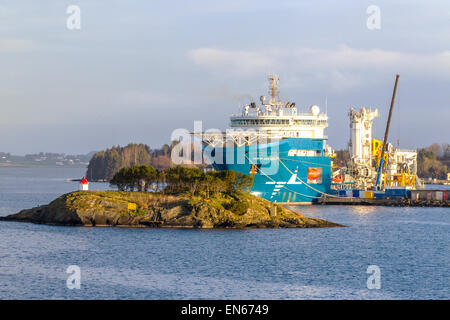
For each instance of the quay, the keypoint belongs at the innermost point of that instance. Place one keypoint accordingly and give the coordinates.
(412, 198)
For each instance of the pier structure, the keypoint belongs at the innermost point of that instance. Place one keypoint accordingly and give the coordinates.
(413, 198)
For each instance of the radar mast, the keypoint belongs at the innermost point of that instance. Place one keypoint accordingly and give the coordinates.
(273, 90)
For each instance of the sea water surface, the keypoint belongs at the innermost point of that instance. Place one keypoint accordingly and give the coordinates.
(409, 245)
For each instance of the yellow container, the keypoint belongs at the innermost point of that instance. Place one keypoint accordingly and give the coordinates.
(369, 194)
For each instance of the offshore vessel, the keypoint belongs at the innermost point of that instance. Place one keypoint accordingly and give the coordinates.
(284, 150)
(287, 154)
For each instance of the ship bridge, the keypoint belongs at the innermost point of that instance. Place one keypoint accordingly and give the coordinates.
(270, 120)
(279, 118)
(285, 123)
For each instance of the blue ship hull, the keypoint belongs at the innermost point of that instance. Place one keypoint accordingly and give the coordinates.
(281, 176)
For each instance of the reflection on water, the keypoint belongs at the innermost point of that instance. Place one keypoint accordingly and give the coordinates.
(318, 209)
(363, 210)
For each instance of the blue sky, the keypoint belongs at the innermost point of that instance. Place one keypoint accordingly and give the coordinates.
(137, 70)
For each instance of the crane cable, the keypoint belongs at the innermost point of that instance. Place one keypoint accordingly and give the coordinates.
(324, 193)
(317, 164)
(305, 195)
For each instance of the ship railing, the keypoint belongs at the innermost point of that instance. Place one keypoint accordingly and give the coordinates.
(236, 138)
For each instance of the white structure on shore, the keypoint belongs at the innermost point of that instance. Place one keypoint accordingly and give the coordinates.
(84, 184)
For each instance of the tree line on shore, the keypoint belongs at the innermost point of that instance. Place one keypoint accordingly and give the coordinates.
(179, 179)
(105, 164)
(434, 161)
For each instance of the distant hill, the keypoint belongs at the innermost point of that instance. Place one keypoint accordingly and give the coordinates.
(45, 159)
(105, 164)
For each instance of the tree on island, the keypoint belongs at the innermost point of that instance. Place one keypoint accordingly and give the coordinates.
(179, 179)
(135, 177)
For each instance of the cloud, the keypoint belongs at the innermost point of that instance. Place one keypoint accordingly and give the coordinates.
(137, 98)
(15, 45)
(342, 68)
(239, 62)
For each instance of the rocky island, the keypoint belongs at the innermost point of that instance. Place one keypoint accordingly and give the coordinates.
(180, 197)
(148, 209)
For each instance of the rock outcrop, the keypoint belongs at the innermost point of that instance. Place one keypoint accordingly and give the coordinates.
(146, 209)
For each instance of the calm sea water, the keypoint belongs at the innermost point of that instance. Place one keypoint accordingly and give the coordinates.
(410, 246)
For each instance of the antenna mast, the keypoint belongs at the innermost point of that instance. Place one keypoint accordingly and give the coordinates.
(274, 79)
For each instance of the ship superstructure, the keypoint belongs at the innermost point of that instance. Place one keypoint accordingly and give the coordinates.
(284, 150)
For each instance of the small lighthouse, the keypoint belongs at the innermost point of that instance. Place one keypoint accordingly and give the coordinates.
(84, 184)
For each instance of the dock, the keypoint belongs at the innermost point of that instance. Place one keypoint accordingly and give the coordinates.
(383, 202)
(414, 198)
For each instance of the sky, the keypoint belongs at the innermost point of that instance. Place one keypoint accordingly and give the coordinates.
(137, 70)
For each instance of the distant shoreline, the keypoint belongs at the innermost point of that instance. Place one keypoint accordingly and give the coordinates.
(21, 165)
(96, 181)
